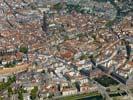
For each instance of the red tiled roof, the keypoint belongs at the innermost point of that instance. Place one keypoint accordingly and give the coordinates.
(130, 63)
(67, 54)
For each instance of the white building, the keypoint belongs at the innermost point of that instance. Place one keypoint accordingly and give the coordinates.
(69, 91)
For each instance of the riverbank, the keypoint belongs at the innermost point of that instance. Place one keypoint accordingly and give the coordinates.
(83, 96)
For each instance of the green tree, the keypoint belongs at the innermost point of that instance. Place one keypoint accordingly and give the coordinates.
(5, 85)
(20, 95)
(58, 6)
(14, 78)
(10, 64)
(43, 71)
(66, 37)
(1, 98)
(10, 92)
(50, 96)
(33, 93)
(23, 49)
(83, 56)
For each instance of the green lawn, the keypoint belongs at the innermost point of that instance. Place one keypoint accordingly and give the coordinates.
(75, 97)
(106, 81)
(119, 98)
